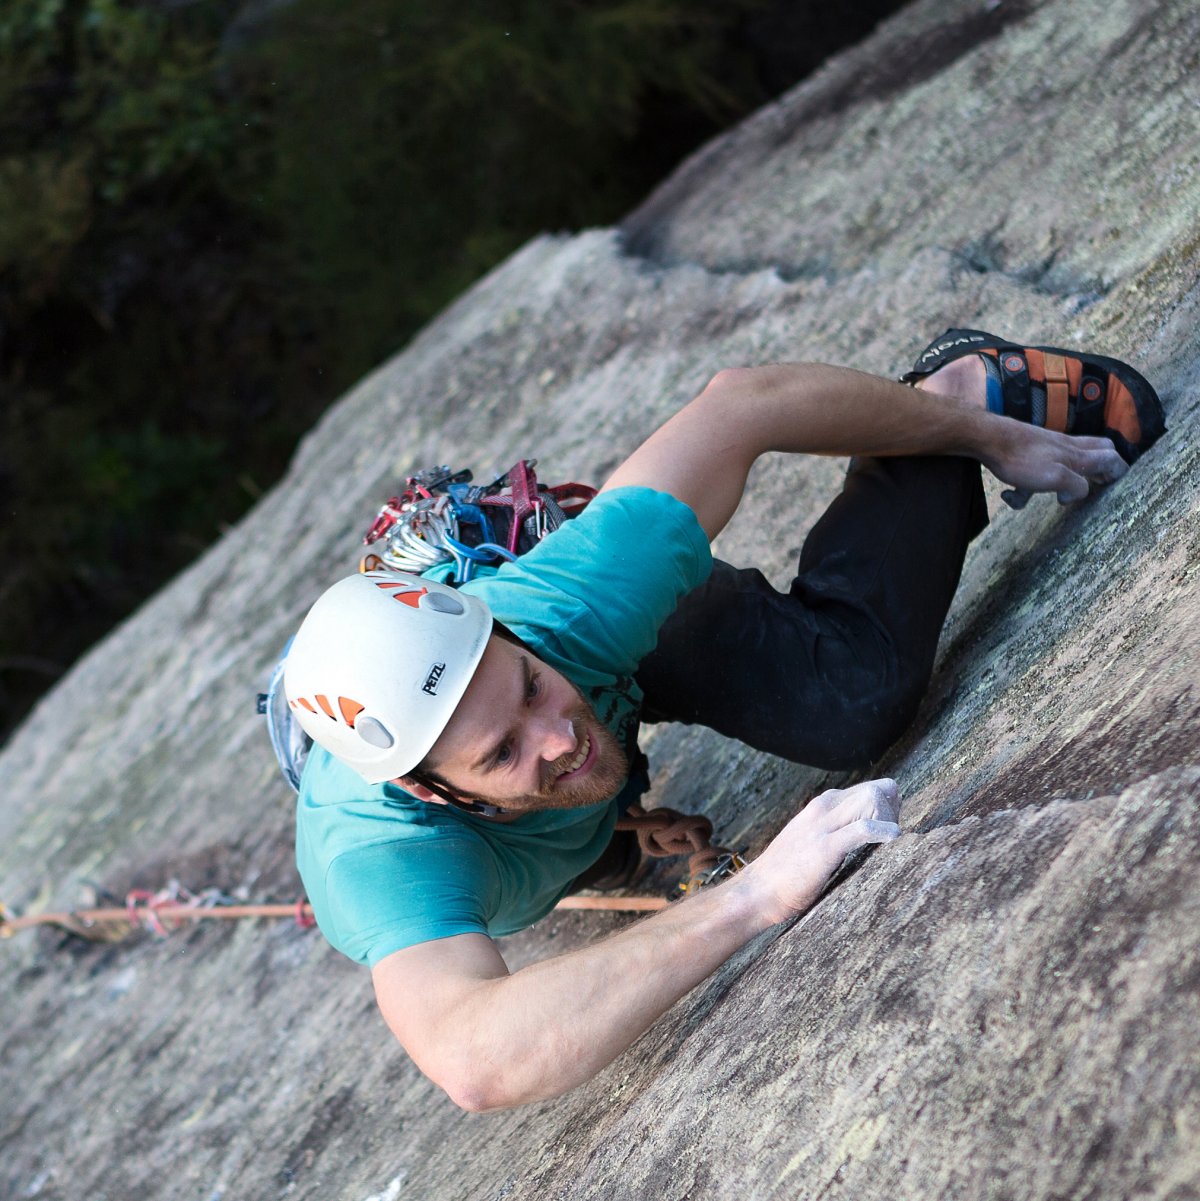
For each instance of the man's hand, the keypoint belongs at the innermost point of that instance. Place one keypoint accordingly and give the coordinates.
(1033, 459)
(790, 874)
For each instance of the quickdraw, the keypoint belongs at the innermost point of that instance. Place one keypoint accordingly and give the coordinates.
(729, 863)
(440, 517)
(666, 832)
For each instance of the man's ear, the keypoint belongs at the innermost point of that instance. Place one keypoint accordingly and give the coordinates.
(418, 790)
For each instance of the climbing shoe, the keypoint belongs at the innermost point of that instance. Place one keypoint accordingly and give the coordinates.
(1063, 390)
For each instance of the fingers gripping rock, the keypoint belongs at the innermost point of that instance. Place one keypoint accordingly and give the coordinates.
(799, 861)
(1034, 460)
(862, 833)
(876, 799)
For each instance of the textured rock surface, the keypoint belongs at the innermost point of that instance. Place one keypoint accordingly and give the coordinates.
(1002, 1004)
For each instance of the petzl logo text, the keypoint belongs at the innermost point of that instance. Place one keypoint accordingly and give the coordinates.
(433, 679)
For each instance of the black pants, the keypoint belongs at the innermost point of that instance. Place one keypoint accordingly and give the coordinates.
(830, 672)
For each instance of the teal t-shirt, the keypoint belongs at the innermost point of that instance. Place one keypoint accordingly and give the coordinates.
(385, 871)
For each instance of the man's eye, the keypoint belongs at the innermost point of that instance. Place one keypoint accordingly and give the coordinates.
(533, 687)
(503, 755)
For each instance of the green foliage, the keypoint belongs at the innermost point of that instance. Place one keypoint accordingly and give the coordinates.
(45, 210)
(413, 145)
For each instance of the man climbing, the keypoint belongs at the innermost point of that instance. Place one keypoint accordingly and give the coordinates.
(474, 745)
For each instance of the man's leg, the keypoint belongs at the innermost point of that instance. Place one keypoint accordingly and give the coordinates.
(831, 672)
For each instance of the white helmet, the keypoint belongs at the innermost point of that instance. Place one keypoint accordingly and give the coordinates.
(378, 666)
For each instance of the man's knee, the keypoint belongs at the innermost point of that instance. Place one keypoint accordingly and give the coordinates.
(864, 738)
(854, 733)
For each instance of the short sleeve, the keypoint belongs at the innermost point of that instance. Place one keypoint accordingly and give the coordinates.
(386, 896)
(596, 593)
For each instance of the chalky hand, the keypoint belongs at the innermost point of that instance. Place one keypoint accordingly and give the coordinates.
(789, 875)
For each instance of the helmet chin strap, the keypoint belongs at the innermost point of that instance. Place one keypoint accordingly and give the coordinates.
(474, 807)
(444, 794)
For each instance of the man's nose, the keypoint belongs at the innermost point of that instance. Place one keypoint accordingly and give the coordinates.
(557, 738)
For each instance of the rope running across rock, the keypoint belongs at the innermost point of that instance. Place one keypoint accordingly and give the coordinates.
(661, 833)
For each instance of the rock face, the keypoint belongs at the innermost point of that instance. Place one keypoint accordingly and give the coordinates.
(1003, 1003)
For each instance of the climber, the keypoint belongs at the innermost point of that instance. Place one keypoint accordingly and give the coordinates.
(474, 745)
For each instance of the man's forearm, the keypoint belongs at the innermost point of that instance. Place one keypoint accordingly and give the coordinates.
(811, 408)
(704, 453)
(554, 1024)
(493, 1040)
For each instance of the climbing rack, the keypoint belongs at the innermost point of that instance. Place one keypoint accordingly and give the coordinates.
(441, 517)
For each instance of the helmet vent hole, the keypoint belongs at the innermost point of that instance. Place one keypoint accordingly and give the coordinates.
(373, 732)
(442, 603)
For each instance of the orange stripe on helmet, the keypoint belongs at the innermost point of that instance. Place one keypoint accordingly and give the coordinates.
(412, 599)
(403, 591)
(349, 710)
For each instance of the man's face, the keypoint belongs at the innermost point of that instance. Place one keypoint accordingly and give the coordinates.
(524, 738)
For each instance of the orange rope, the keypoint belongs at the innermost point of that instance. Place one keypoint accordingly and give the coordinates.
(158, 917)
(136, 915)
(621, 904)
(660, 833)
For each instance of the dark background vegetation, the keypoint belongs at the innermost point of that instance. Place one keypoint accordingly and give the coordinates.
(216, 215)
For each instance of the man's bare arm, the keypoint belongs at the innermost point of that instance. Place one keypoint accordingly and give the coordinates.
(703, 454)
(493, 1040)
